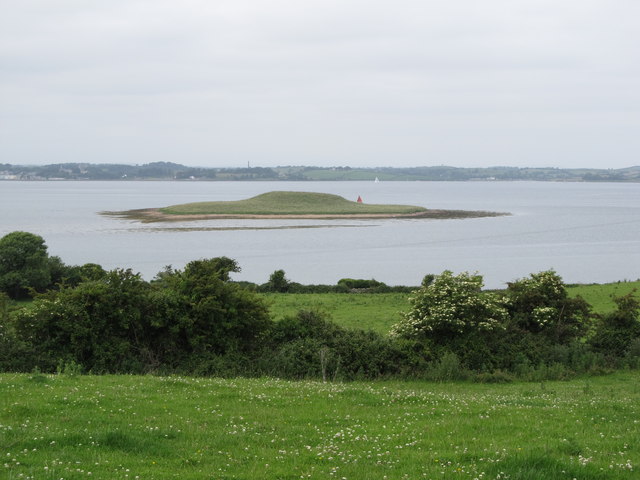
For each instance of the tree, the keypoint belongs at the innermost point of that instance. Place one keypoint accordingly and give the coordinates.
(278, 282)
(24, 264)
(220, 315)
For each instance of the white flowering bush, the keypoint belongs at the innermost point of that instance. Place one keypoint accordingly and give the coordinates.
(451, 305)
(543, 316)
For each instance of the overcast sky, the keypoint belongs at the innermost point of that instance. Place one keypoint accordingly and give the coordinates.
(321, 82)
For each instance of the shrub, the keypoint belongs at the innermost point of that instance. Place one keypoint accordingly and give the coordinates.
(99, 325)
(120, 323)
(310, 345)
(540, 304)
(450, 306)
(632, 355)
(447, 368)
(614, 332)
(360, 284)
(497, 376)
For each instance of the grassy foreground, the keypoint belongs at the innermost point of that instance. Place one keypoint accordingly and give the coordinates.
(127, 427)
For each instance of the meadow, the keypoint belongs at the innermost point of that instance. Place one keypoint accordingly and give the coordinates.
(600, 296)
(378, 311)
(145, 427)
(366, 311)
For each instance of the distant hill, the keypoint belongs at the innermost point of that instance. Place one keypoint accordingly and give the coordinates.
(174, 171)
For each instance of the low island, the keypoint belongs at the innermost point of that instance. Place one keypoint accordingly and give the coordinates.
(291, 205)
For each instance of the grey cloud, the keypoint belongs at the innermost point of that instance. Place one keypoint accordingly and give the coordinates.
(333, 82)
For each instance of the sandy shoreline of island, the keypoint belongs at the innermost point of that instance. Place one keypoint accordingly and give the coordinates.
(148, 215)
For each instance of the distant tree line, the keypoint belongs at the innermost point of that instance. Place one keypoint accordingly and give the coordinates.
(279, 283)
(175, 171)
(198, 321)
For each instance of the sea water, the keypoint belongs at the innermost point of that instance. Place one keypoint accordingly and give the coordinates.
(587, 232)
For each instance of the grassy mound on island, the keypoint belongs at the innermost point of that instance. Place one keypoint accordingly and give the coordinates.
(289, 203)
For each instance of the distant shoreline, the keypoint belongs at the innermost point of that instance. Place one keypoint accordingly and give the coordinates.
(167, 171)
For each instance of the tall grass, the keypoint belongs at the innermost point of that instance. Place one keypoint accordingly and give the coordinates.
(128, 427)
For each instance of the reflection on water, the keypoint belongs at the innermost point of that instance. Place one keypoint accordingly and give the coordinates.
(586, 232)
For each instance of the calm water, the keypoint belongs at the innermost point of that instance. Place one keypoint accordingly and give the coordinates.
(586, 232)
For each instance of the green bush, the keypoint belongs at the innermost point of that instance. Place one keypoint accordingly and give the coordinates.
(308, 345)
(497, 376)
(15, 354)
(99, 325)
(540, 304)
(632, 355)
(361, 284)
(448, 367)
(614, 332)
(120, 323)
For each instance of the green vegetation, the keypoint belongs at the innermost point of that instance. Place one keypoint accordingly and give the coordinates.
(125, 427)
(292, 205)
(120, 323)
(174, 171)
(26, 267)
(601, 296)
(198, 321)
(289, 203)
(24, 264)
(367, 311)
(379, 311)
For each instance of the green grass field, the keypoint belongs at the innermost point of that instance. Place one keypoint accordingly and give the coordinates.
(131, 427)
(367, 311)
(600, 296)
(289, 203)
